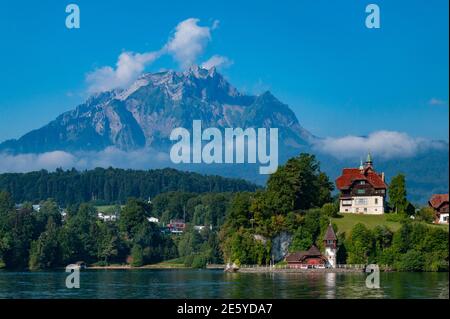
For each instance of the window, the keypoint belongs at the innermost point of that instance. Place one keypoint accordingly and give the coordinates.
(361, 191)
(362, 201)
(347, 202)
(376, 201)
(362, 182)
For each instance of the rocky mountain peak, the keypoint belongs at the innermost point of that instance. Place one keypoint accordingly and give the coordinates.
(144, 114)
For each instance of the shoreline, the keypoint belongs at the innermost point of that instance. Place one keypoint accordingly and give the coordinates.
(299, 270)
(240, 270)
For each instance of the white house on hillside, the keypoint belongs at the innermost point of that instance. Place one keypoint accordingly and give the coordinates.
(363, 190)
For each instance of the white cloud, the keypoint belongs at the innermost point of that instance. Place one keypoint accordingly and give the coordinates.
(384, 144)
(186, 45)
(437, 102)
(128, 67)
(217, 61)
(32, 162)
(111, 156)
(188, 42)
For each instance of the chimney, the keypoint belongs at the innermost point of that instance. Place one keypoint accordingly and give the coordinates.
(382, 176)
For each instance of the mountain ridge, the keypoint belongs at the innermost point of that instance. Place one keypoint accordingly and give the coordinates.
(144, 114)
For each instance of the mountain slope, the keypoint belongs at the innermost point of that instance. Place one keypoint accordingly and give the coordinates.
(145, 114)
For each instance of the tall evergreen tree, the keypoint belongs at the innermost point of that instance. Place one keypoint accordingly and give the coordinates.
(397, 194)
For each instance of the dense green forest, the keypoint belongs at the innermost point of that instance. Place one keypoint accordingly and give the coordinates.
(111, 186)
(241, 225)
(40, 240)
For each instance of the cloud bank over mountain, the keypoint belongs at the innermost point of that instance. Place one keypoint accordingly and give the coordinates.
(385, 144)
(109, 157)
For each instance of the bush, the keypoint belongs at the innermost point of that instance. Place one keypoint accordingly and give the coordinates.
(330, 209)
(199, 261)
(387, 256)
(396, 217)
(137, 256)
(412, 260)
(188, 260)
(425, 214)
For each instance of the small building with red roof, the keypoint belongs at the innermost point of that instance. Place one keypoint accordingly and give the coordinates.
(313, 258)
(439, 203)
(362, 190)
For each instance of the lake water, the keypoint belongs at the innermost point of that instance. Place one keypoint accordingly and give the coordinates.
(217, 284)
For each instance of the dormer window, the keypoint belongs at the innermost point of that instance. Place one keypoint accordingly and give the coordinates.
(362, 182)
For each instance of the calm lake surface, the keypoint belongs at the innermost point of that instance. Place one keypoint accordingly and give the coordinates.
(199, 284)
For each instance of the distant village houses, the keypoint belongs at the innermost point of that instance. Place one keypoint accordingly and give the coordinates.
(153, 220)
(176, 226)
(363, 190)
(439, 203)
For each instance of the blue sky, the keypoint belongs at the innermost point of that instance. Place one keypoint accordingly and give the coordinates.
(339, 77)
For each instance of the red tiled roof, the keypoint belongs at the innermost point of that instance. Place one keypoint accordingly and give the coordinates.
(295, 256)
(437, 200)
(349, 175)
(313, 251)
(300, 255)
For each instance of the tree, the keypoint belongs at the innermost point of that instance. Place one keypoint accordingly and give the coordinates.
(108, 241)
(78, 237)
(201, 215)
(397, 194)
(301, 240)
(137, 256)
(49, 209)
(425, 214)
(298, 185)
(238, 213)
(412, 260)
(6, 238)
(359, 245)
(45, 251)
(20, 234)
(132, 216)
(330, 209)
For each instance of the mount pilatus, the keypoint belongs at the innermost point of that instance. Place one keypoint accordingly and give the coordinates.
(145, 114)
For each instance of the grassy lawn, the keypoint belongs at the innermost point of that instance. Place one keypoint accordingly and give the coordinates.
(106, 208)
(345, 222)
(172, 263)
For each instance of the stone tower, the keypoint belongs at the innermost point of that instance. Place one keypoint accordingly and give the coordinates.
(330, 241)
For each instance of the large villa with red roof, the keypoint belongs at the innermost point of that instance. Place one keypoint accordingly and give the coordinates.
(439, 203)
(363, 190)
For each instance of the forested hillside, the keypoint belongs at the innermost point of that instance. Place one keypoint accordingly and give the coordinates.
(111, 186)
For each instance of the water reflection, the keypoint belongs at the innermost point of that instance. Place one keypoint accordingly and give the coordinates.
(216, 284)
